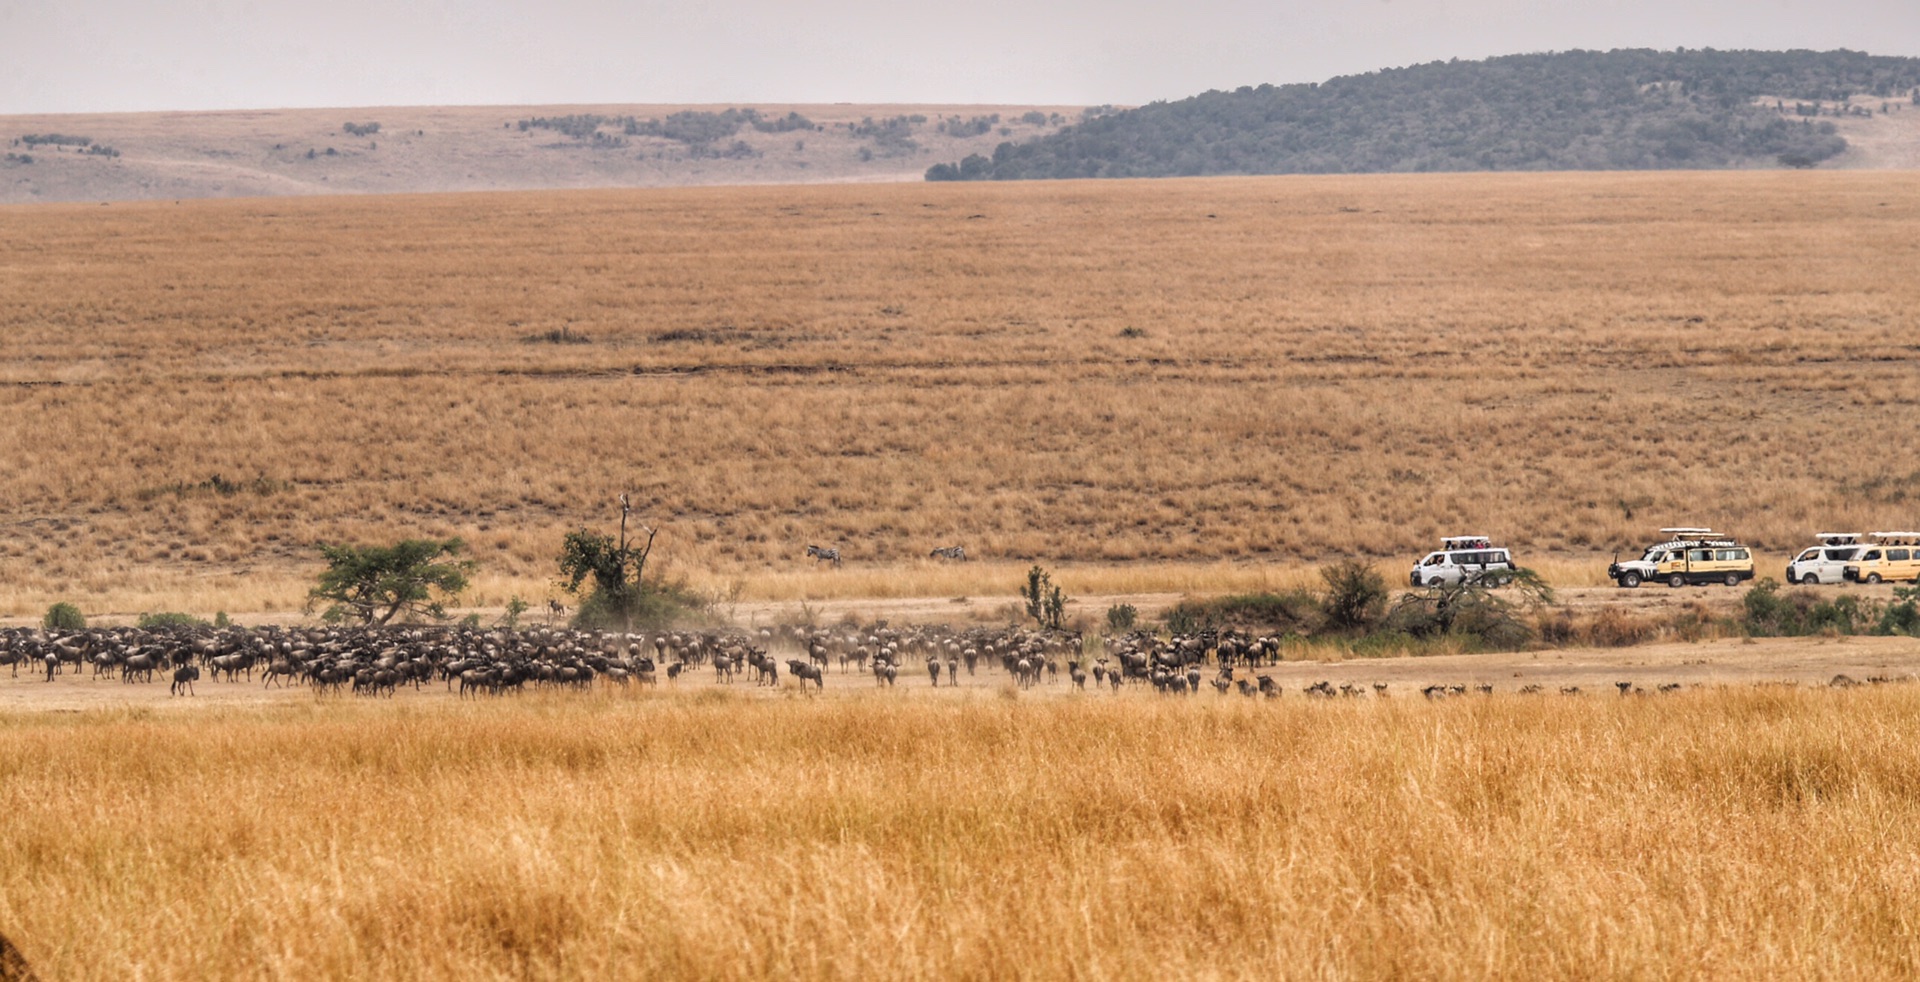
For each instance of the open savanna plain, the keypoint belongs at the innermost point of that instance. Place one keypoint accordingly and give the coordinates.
(1155, 389)
(1178, 385)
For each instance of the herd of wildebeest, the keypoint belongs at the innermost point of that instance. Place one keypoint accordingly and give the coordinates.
(475, 662)
(478, 662)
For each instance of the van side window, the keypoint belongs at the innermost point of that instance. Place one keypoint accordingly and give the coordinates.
(1897, 555)
(1700, 555)
(1870, 555)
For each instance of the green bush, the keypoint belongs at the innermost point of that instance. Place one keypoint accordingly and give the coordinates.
(1902, 616)
(1767, 613)
(64, 617)
(652, 605)
(1293, 612)
(1121, 618)
(1356, 596)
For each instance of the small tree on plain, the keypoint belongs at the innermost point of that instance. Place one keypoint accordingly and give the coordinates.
(64, 617)
(375, 584)
(620, 595)
(1356, 596)
(1046, 603)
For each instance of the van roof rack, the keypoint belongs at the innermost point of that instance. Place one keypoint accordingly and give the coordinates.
(1690, 532)
(1898, 538)
(1838, 538)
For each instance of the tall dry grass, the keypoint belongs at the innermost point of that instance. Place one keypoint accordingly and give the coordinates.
(1724, 833)
(1322, 367)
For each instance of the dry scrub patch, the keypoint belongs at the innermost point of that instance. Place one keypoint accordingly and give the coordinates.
(1735, 833)
(1315, 366)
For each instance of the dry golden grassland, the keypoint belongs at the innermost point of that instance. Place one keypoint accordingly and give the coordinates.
(1169, 383)
(1731, 833)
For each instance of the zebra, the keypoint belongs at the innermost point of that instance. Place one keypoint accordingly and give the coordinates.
(828, 554)
(956, 553)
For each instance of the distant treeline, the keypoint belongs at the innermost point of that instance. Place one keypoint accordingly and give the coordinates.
(694, 128)
(59, 140)
(1577, 110)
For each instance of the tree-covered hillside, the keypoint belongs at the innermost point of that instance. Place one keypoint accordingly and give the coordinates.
(1576, 110)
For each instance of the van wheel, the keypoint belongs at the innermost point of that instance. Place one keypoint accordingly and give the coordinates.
(1811, 579)
(1873, 577)
(1629, 580)
(1733, 579)
(1676, 581)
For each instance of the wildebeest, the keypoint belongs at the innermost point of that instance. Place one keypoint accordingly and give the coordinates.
(183, 679)
(806, 672)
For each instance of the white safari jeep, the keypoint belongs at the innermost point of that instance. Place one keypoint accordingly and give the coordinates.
(1464, 558)
(1691, 555)
(1826, 562)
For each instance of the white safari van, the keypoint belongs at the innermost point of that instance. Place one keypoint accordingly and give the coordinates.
(1826, 562)
(1892, 556)
(1464, 558)
(1689, 555)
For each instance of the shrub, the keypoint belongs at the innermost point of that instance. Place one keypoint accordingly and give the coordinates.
(64, 617)
(511, 618)
(1471, 613)
(1121, 618)
(1902, 616)
(1356, 596)
(1293, 612)
(1767, 613)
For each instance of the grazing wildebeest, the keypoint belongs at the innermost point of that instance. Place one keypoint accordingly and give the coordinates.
(183, 679)
(806, 672)
(825, 554)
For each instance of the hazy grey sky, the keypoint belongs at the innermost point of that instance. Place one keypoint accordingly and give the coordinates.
(115, 55)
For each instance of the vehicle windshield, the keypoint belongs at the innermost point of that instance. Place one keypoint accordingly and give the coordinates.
(1809, 554)
(1655, 554)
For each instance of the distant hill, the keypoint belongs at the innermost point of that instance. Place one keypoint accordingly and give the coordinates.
(116, 157)
(1577, 110)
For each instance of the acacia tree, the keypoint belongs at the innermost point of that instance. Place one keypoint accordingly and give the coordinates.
(374, 584)
(616, 567)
